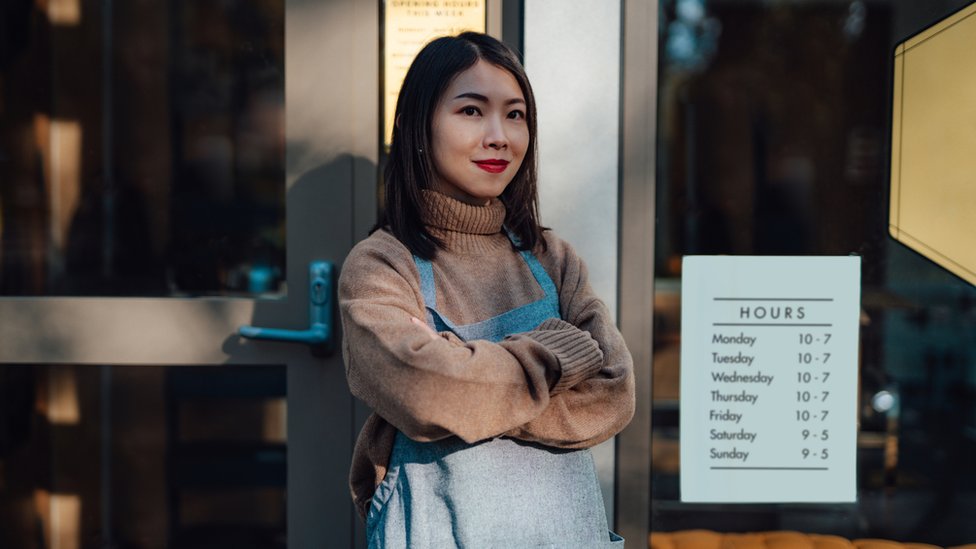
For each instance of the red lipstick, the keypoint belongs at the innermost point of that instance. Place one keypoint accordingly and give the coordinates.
(492, 165)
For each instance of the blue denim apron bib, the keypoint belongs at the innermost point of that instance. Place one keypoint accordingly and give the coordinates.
(495, 493)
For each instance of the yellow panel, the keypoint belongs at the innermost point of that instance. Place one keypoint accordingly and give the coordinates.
(408, 26)
(933, 149)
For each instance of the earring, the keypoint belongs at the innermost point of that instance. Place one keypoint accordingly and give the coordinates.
(420, 150)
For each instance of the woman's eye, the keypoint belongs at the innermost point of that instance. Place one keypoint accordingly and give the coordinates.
(516, 115)
(470, 111)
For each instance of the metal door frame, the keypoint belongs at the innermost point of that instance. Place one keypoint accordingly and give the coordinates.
(331, 98)
(638, 119)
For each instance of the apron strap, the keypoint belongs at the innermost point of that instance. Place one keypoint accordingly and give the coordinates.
(540, 274)
(429, 292)
(427, 289)
(538, 271)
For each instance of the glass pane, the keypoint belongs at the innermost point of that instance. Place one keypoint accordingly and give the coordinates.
(141, 147)
(142, 457)
(773, 131)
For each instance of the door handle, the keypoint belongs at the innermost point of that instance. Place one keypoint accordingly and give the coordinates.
(319, 332)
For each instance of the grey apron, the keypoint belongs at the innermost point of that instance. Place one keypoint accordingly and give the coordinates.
(495, 493)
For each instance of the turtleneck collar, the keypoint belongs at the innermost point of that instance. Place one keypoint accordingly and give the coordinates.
(464, 227)
(453, 215)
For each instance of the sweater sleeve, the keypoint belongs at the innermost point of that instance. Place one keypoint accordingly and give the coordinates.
(432, 388)
(601, 405)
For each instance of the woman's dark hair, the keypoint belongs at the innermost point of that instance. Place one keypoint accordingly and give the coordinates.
(410, 168)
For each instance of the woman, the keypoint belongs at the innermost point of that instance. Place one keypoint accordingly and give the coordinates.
(472, 331)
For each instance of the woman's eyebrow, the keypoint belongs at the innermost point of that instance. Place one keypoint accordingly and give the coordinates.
(483, 99)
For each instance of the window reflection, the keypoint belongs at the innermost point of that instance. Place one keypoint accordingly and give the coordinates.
(773, 129)
(142, 457)
(141, 147)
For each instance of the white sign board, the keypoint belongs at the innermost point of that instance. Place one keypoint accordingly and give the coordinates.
(769, 357)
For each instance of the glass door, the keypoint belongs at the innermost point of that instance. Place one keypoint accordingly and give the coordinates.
(773, 135)
(168, 172)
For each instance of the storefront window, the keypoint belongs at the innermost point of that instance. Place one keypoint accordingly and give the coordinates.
(773, 132)
(141, 148)
(145, 457)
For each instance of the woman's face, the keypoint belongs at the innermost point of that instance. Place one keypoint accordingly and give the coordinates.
(480, 134)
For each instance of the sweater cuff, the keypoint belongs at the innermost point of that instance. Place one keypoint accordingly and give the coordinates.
(554, 324)
(578, 353)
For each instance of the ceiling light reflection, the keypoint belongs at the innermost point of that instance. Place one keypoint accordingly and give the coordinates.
(64, 12)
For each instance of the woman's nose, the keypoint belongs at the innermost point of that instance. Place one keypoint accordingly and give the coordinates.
(495, 136)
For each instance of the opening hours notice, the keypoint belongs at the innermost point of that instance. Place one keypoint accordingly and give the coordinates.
(769, 361)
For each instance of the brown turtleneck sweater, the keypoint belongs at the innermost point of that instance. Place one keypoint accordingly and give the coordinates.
(569, 383)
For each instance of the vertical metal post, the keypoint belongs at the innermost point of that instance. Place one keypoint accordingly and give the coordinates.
(637, 214)
(108, 141)
(513, 17)
(108, 259)
(493, 16)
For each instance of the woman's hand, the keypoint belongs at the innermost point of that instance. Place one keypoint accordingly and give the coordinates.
(422, 324)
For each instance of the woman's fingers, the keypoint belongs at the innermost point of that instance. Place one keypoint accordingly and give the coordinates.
(424, 325)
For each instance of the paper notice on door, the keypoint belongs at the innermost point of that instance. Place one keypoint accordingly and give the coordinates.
(769, 358)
